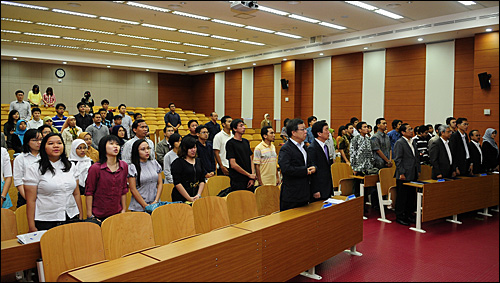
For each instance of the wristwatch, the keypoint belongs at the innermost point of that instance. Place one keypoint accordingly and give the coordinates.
(3, 198)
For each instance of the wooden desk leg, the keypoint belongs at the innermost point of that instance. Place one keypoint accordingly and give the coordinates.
(485, 212)
(353, 251)
(311, 273)
(495, 209)
(418, 227)
(362, 194)
(454, 220)
(381, 205)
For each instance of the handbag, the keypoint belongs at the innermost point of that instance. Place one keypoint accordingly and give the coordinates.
(149, 209)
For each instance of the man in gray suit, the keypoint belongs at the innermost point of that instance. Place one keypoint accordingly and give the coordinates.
(407, 161)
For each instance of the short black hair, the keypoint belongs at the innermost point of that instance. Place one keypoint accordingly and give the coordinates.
(120, 106)
(449, 119)
(348, 124)
(35, 109)
(421, 129)
(429, 126)
(353, 119)
(19, 91)
(117, 117)
(40, 129)
(224, 118)
(286, 121)
(136, 114)
(360, 125)
(102, 109)
(171, 103)
(379, 120)
(471, 133)
(341, 128)
(293, 125)
(199, 128)
(395, 123)
(265, 131)
(436, 127)
(310, 119)
(104, 101)
(460, 120)
(80, 104)
(191, 121)
(165, 128)
(318, 127)
(403, 128)
(175, 137)
(137, 122)
(234, 124)
(59, 105)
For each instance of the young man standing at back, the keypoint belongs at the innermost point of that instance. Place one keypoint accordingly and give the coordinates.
(23, 107)
(219, 146)
(212, 126)
(109, 113)
(59, 119)
(82, 119)
(126, 120)
(205, 151)
(36, 122)
(163, 147)
(172, 119)
(239, 154)
(265, 159)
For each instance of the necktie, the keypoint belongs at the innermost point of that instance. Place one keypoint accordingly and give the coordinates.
(326, 152)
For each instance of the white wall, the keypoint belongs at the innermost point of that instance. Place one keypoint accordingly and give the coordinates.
(372, 105)
(219, 90)
(247, 95)
(277, 97)
(322, 88)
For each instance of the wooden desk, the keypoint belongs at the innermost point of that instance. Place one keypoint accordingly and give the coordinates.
(17, 257)
(368, 181)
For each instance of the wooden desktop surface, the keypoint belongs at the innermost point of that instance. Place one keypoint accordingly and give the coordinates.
(17, 257)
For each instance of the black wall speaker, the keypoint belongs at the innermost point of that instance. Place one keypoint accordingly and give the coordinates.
(484, 80)
(284, 84)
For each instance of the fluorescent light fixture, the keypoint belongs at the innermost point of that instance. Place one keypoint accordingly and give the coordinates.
(94, 49)
(25, 5)
(79, 39)
(17, 21)
(365, 48)
(14, 58)
(178, 59)
(96, 31)
(158, 27)
(64, 46)
(190, 15)
(320, 54)
(305, 19)
(206, 71)
(227, 23)
(119, 2)
(132, 36)
(284, 59)
(172, 51)
(195, 45)
(252, 42)
(193, 32)
(197, 54)
(118, 20)
(74, 13)
(260, 29)
(125, 53)
(144, 47)
(288, 35)
(147, 70)
(56, 26)
(42, 35)
(139, 5)
(362, 5)
(112, 43)
(332, 25)
(228, 68)
(166, 41)
(224, 38)
(10, 31)
(108, 66)
(274, 11)
(489, 29)
(467, 3)
(254, 64)
(420, 39)
(222, 49)
(388, 14)
(6, 40)
(151, 56)
(30, 42)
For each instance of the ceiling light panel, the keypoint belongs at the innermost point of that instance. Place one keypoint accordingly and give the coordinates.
(190, 15)
(79, 39)
(132, 36)
(158, 27)
(362, 5)
(193, 32)
(144, 6)
(166, 41)
(11, 31)
(224, 38)
(24, 5)
(260, 29)
(125, 53)
(302, 18)
(56, 26)
(17, 21)
(29, 42)
(172, 51)
(42, 35)
(388, 14)
(96, 31)
(178, 59)
(227, 23)
(144, 47)
(252, 42)
(332, 25)
(112, 43)
(288, 35)
(64, 46)
(118, 20)
(274, 11)
(195, 45)
(197, 54)
(222, 49)
(151, 56)
(94, 49)
(74, 13)
(467, 3)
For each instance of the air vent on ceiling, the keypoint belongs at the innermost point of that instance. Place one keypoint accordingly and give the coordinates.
(313, 45)
(352, 38)
(385, 33)
(316, 39)
(422, 26)
(338, 41)
(403, 30)
(489, 16)
(444, 23)
(326, 43)
(465, 20)
(369, 35)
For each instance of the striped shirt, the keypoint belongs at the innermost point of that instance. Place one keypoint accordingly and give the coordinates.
(265, 156)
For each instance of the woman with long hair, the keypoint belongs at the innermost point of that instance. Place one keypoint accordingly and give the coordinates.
(144, 177)
(70, 132)
(49, 98)
(81, 161)
(121, 133)
(10, 126)
(34, 96)
(106, 184)
(92, 153)
(189, 178)
(30, 155)
(18, 136)
(52, 194)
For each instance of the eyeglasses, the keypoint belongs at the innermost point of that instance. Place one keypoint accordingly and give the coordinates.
(203, 132)
(301, 129)
(36, 140)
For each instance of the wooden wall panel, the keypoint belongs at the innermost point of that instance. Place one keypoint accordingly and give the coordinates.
(405, 84)
(204, 93)
(263, 94)
(464, 77)
(232, 98)
(175, 88)
(306, 70)
(347, 85)
(288, 107)
(486, 48)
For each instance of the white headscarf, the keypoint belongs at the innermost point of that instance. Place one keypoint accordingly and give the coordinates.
(83, 165)
(487, 138)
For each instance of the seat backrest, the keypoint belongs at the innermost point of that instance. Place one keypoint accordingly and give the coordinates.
(370, 180)
(22, 220)
(257, 137)
(166, 193)
(346, 186)
(217, 183)
(210, 213)
(70, 246)
(254, 143)
(84, 206)
(127, 232)
(267, 199)
(425, 172)
(9, 226)
(129, 198)
(241, 205)
(340, 171)
(172, 222)
(386, 179)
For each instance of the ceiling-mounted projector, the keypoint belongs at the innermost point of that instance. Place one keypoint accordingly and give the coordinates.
(244, 6)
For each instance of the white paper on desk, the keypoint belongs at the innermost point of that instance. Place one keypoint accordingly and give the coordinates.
(334, 201)
(495, 172)
(32, 237)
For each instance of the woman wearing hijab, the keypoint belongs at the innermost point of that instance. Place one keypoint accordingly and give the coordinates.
(81, 161)
(490, 150)
(48, 121)
(266, 121)
(70, 132)
(121, 133)
(18, 136)
(91, 152)
(10, 126)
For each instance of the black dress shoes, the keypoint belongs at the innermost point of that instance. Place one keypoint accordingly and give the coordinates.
(412, 219)
(402, 222)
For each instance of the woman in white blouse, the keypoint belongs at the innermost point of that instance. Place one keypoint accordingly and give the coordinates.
(81, 162)
(6, 178)
(51, 188)
(31, 148)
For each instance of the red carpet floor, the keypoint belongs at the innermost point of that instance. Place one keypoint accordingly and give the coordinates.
(447, 252)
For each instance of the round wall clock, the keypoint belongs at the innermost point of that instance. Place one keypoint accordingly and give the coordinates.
(60, 73)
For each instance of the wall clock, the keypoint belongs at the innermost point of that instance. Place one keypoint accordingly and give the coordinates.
(60, 73)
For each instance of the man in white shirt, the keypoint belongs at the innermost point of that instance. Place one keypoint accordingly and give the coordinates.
(22, 106)
(219, 146)
(140, 129)
(476, 152)
(36, 122)
(126, 120)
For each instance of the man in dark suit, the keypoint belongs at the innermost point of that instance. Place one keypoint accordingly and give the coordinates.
(321, 181)
(407, 159)
(292, 159)
(459, 146)
(441, 155)
(476, 152)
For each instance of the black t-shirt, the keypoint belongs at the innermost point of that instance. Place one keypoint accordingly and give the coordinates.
(240, 151)
(188, 175)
